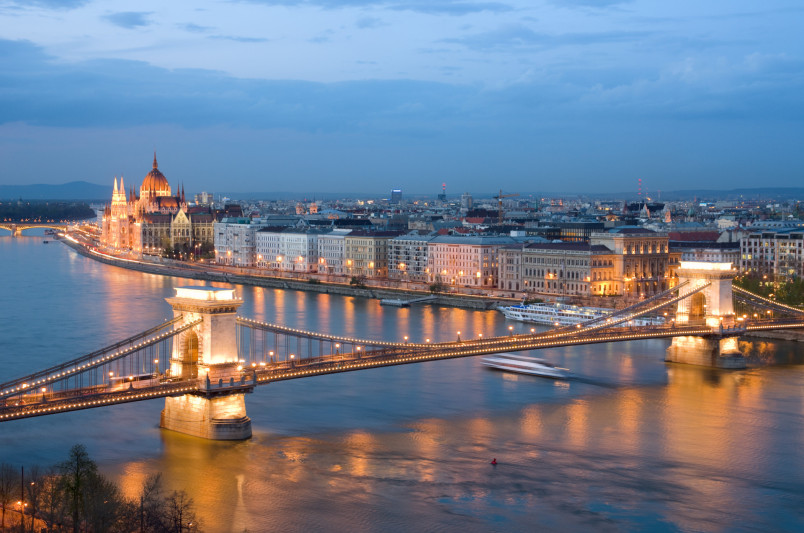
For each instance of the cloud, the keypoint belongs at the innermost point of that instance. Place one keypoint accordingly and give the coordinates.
(195, 28)
(431, 7)
(589, 3)
(238, 39)
(38, 90)
(50, 4)
(129, 19)
(369, 23)
(515, 36)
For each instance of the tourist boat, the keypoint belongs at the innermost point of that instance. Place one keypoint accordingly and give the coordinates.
(565, 315)
(522, 364)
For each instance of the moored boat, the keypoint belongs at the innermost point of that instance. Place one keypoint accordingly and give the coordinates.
(558, 314)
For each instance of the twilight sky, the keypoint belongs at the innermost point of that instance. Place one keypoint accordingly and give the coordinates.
(369, 95)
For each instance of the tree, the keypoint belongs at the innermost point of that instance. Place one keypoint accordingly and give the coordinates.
(181, 513)
(33, 492)
(51, 504)
(105, 509)
(9, 482)
(76, 474)
(152, 505)
(358, 281)
(437, 286)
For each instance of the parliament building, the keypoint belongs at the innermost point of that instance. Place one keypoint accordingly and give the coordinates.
(155, 220)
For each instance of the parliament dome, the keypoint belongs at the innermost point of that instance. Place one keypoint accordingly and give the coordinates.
(156, 181)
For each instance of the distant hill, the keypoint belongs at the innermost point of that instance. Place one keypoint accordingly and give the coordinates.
(75, 190)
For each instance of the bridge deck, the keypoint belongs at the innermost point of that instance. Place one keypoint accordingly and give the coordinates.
(33, 404)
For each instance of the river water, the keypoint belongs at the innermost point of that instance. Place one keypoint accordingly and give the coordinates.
(631, 444)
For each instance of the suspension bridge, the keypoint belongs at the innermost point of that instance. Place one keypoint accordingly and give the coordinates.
(206, 358)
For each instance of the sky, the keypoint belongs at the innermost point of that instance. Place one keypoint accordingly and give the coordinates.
(528, 96)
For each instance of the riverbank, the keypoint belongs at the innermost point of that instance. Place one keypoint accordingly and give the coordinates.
(229, 275)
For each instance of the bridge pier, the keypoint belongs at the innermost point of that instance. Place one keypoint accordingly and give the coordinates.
(706, 351)
(221, 418)
(208, 353)
(712, 306)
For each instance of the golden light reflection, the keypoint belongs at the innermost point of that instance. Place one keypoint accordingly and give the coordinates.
(132, 480)
(363, 445)
(629, 416)
(428, 438)
(530, 424)
(578, 423)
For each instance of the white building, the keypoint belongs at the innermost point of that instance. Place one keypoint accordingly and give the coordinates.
(288, 249)
(235, 242)
(331, 252)
(407, 257)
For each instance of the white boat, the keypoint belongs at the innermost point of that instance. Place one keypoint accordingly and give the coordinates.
(566, 315)
(522, 364)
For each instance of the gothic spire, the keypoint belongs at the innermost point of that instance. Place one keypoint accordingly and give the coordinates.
(155, 159)
(115, 185)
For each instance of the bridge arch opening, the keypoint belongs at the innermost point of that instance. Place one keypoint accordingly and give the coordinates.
(697, 304)
(189, 359)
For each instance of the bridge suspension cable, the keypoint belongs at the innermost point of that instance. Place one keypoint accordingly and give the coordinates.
(647, 310)
(626, 310)
(750, 297)
(321, 336)
(90, 362)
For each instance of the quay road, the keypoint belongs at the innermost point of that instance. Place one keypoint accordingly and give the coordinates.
(261, 372)
(85, 244)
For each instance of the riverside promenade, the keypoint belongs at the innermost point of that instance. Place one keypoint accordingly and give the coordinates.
(376, 289)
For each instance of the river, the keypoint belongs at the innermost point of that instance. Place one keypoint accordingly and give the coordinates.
(630, 444)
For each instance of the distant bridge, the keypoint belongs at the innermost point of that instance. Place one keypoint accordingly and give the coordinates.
(206, 358)
(16, 228)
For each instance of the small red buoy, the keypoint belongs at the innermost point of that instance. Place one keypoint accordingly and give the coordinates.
(494, 461)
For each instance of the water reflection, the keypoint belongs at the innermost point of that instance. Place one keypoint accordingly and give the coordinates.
(632, 444)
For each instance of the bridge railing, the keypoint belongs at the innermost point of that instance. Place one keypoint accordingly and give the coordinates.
(100, 367)
(756, 299)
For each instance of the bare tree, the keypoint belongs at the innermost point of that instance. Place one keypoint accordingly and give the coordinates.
(9, 483)
(76, 474)
(33, 492)
(152, 510)
(181, 513)
(52, 505)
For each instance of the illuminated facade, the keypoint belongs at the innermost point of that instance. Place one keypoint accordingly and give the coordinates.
(153, 220)
(776, 253)
(643, 264)
(465, 261)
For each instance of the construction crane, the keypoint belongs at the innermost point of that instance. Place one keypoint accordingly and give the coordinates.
(499, 198)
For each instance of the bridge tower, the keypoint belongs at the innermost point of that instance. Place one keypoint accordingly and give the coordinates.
(208, 352)
(713, 307)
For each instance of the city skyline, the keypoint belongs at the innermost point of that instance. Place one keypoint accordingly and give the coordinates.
(323, 96)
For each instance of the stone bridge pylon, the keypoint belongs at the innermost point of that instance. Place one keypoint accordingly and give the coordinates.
(714, 307)
(208, 352)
